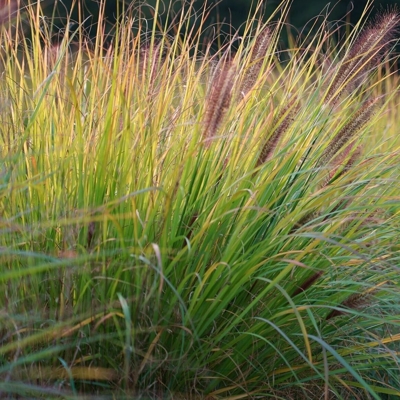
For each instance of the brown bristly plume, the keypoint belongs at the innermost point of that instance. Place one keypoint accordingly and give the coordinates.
(348, 131)
(282, 122)
(314, 214)
(365, 54)
(308, 282)
(338, 160)
(8, 8)
(355, 301)
(342, 159)
(218, 100)
(151, 61)
(258, 53)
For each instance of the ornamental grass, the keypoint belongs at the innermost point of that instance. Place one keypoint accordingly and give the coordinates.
(184, 222)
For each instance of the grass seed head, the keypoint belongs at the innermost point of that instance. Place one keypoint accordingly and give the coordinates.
(219, 100)
(355, 301)
(364, 55)
(283, 121)
(308, 282)
(258, 53)
(342, 159)
(8, 8)
(349, 130)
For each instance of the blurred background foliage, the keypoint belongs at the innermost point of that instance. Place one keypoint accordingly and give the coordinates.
(232, 13)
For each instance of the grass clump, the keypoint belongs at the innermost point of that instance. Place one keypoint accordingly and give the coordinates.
(180, 223)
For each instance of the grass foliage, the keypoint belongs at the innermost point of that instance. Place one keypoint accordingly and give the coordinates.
(180, 222)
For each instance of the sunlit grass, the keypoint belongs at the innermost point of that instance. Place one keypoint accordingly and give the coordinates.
(183, 223)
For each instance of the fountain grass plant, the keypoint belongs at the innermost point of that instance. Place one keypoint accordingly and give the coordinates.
(183, 223)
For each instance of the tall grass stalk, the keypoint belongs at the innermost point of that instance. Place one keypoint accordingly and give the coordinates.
(183, 223)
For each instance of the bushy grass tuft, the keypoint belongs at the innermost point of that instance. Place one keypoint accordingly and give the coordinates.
(183, 223)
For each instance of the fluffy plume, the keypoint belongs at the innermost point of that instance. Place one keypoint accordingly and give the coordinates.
(258, 53)
(364, 55)
(308, 282)
(314, 214)
(282, 122)
(7, 9)
(355, 302)
(218, 100)
(151, 61)
(348, 131)
(343, 160)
